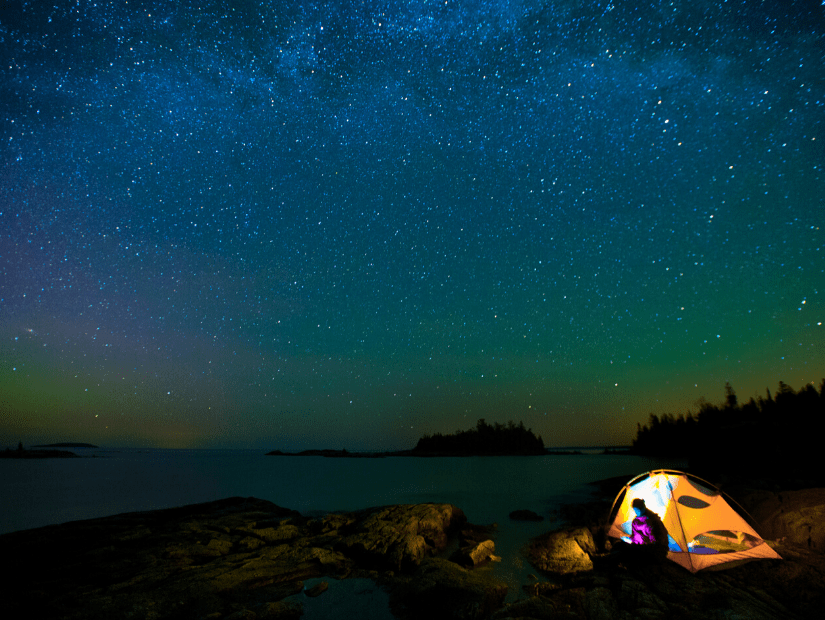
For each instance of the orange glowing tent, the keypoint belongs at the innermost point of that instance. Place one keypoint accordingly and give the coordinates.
(703, 530)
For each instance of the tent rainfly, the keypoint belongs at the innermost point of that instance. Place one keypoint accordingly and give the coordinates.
(703, 530)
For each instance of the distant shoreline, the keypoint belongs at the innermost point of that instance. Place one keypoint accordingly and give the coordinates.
(67, 445)
(45, 451)
(613, 450)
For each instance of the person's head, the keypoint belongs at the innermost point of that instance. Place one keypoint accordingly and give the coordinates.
(638, 505)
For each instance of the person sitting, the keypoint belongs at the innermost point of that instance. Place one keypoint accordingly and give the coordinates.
(647, 543)
(648, 530)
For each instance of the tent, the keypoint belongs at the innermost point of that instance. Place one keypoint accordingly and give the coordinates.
(703, 530)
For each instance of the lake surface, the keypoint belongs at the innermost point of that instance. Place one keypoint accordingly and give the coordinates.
(39, 492)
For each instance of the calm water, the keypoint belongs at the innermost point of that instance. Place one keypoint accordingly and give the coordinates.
(44, 492)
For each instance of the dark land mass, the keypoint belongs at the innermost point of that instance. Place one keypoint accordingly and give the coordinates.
(618, 450)
(346, 454)
(36, 454)
(767, 437)
(484, 440)
(67, 445)
(416, 453)
(248, 558)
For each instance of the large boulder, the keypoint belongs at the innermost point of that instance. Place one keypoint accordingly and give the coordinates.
(563, 552)
(797, 517)
(476, 554)
(475, 545)
(399, 537)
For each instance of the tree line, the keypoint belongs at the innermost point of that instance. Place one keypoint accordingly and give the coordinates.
(484, 439)
(777, 432)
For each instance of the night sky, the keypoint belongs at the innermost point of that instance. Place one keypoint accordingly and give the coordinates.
(347, 224)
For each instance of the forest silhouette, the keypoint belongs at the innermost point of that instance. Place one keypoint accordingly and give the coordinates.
(483, 440)
(777, 434)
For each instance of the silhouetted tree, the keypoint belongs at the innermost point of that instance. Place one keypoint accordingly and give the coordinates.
(484, 439)
(730, 397)
(768, 434)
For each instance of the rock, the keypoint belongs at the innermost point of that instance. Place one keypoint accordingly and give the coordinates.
(797, 517)
(280, 532)
(399, 537)
(525, 515)
(242, 558)
(281, 610)
(563, 552)
(476, 546)
(475, 554)
(332, 523)
(243, 614)
(536, 607)
(635, 595)
(557, 604)
(236, 557)
(484, 552)
(600, 604)
(442, 590)
(804, 527)
(318, 589)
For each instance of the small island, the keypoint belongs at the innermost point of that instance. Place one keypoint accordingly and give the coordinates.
(483, 440)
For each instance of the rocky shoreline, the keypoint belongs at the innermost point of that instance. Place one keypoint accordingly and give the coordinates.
(245, 558)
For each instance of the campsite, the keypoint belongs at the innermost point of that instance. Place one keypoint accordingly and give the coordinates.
(248, 558)
(703, 530)
(777, 573)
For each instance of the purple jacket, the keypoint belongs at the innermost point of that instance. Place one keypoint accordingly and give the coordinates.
(643, 532)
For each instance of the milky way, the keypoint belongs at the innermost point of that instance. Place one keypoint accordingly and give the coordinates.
(347, 224)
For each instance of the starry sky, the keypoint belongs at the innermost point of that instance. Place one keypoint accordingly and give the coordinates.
(347, 224)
